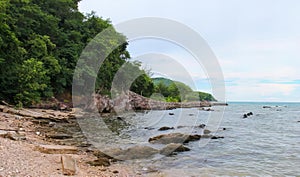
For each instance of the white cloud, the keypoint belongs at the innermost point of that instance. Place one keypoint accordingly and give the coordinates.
(254, 41)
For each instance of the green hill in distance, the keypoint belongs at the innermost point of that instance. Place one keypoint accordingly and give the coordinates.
(175, 91)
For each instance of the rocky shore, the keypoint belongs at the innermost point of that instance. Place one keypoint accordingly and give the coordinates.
(45, 142)
(33, 142)
(132, 101)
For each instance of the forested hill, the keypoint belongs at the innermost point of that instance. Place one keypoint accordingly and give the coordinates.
(40, 43)
(177, 91)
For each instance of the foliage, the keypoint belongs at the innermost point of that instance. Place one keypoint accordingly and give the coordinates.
(40, 43)
(175, 91)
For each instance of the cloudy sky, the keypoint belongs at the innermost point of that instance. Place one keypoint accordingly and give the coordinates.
(257, 42)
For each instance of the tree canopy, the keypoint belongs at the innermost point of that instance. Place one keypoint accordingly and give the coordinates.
(40, 43)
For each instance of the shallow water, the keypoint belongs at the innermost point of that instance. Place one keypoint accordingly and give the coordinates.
(265, 144)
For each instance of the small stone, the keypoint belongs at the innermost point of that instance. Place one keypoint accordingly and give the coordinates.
(15, 136)
(115, 171)
(5, 110)
(171, 114)
(68, 165)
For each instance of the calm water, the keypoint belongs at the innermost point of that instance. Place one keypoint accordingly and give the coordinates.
(265, 144)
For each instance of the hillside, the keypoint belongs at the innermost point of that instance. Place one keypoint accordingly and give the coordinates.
(178, 91)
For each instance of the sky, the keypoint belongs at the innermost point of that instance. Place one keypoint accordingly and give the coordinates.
(256, 42)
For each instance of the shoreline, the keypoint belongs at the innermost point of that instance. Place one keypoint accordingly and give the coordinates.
(20, 139)
(25, 132)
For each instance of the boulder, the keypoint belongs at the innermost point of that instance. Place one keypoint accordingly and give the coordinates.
(165, 128)
(173, 138)
(172, 148)
(136, 152)
(68, 165)
(57, 149)
(100, 154)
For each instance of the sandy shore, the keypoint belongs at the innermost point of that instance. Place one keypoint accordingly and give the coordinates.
(20, 157)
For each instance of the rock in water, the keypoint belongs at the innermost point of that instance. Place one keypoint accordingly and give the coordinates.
(68, 165)
(175, 138)
(206, 131)
(165, 128)
(172, 148)
(135, 152)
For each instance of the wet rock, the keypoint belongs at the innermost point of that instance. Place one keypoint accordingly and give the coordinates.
(249, 114)
(171, 114)
(149, 128)
(217, 137)
(202, 126)
(57, 149)
(206, 131)
(165, 128)
(136, 152)
(173, 138)
(100, 162)
(181, 126)
(68, 165)
(100, 154)
(59, 136)
(172, 148)
(267, 107)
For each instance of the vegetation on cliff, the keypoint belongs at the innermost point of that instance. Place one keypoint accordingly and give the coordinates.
(175, 91)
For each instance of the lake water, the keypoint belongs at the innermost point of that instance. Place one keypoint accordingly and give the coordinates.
(265, 144)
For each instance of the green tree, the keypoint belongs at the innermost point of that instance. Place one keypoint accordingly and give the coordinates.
(32, 82)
